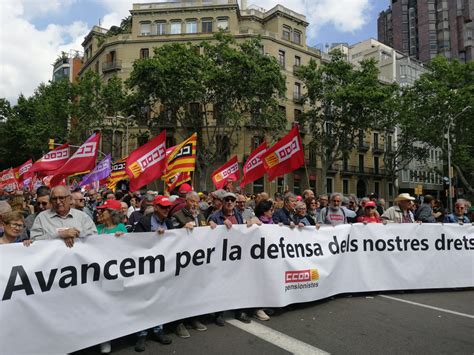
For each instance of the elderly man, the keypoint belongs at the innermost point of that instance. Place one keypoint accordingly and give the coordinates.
(400, 212)
(458, 216)
(190, 215)
(79, 203)
(146, 203)
(247, 212)
(333, 214)
(285, 215)
(180, 202)
(62, 221)
(5, 208)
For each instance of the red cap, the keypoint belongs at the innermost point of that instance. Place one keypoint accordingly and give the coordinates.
(185, 188)
(369, 204)
(162, 201)
(111, 204)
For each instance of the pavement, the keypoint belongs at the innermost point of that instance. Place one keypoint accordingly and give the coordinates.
(416, 322)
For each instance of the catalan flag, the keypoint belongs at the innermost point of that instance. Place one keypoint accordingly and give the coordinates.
(181, 158)
(118, 173)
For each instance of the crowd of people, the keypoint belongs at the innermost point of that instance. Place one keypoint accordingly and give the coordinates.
(59, 213)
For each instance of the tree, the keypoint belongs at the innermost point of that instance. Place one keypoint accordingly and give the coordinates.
(398, 119)
(213, 88)
(344, 101)
(32, 121)
(445, 97)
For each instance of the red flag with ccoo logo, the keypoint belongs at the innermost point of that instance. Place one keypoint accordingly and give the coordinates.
(253, 167)
(227, 172)
(284, 156)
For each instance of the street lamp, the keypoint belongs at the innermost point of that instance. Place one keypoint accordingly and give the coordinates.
(450, 193)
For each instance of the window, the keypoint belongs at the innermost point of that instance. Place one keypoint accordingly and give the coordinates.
(222, 146)
(297, 91)
(191, 26)
(345, 186)
(389, 143)
(281, 58)
(160, 28)
(297, 115)
(297, 61)
(258, 185)
(345, 164)
(286, 33)
(145, 28)
(377, 188)
(283, 110)
(296, 184)
(144, 53)
(390, 189)
(376, 140)
(329, 188)
(223, 24)
(361, 163)
(175, 28)
(297, 37)
(281, 185)
(376, 165)
(206, 25)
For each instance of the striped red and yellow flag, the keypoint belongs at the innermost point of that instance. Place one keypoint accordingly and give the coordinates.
(181, 158)
(118, 173)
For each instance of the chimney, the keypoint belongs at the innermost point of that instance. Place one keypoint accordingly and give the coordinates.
(243, 4)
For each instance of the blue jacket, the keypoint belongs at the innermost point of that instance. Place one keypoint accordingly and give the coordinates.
(219, 218)
(451, 218)
(283, 216)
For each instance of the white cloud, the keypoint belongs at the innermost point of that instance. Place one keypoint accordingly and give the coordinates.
(345, 15)
(26, 52)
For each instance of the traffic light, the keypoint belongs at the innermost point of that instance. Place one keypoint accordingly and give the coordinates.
(51, 144)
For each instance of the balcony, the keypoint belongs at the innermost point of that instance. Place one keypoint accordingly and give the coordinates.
(296, 68)
(348, 170)
(363, 146)
(333, 169)
(378, 149)
(298, 98)
(111, 66)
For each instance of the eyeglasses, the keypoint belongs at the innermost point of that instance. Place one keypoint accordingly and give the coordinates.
(80, 199)
(229, 199)
(16, 225)
(59, 198)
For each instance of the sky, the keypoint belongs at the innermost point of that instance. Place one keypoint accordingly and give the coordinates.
(34, 32)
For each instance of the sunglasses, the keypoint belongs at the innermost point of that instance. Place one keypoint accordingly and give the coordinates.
(164, 207)
(229, 199)
(42, 203)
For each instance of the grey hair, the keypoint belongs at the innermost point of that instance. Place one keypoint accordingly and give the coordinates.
(5, 207)
(336, 194)
(300, 205)
(192, 194)
(289, 195)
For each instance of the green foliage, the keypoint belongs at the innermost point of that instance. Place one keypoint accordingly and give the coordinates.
(445, 96)
(343, 101)
(235, 81)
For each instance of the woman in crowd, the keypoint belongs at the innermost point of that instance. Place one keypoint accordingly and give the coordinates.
(109, 217)
(370, 214)
(312, 206)
(264, 211)
(301, 218)
(13, 224)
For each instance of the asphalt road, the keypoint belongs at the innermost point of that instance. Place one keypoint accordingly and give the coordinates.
(428, 322)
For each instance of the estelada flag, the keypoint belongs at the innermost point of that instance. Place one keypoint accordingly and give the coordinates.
(147, 163)
(51, 161)
(177, 180)
(227, 172)
(118, 173)
(284, 156)
(83, 159)
(253, 167)
(181, 158)
(24, 170)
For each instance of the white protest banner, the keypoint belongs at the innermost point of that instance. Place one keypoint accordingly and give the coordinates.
(55, 299)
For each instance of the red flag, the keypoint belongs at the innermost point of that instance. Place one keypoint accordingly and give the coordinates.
(253, 167)
(285, 156)
(147, 163)
(83, 159)
(24, 170)
(51, 161)
(8, 180)
(178, 179)
(227, 172)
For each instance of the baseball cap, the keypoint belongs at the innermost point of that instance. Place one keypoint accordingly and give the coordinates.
(111, 204)
(162, 201)
(369, 204)
(185, 188)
